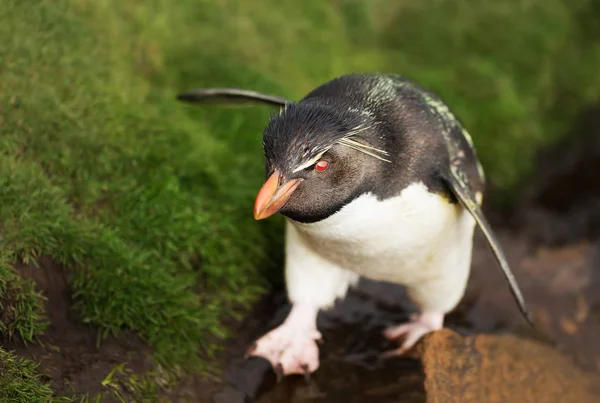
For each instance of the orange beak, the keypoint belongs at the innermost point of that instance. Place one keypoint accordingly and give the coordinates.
(271, 197)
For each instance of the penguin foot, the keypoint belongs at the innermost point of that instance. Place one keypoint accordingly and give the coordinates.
(290, 350)
(411, 332)
(292, 347)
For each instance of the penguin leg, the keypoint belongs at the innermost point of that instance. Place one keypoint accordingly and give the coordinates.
(313, 283)
(439, 292)
(435, 298)
(411, 332)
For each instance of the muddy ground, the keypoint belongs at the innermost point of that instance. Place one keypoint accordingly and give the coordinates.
(552, 240)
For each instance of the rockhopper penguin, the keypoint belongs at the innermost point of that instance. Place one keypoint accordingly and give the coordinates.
(377, 178)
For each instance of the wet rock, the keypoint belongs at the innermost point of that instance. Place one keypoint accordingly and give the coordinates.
(501, 368)
(561, 286)
(561, 271)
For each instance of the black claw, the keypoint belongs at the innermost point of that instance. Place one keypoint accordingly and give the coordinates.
(386, 355)
(250, 350)
(278, 372)
(306, 372)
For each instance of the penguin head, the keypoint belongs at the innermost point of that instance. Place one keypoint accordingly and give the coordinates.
(318, 159)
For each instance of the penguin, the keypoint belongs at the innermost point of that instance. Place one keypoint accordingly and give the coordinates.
(377, 178)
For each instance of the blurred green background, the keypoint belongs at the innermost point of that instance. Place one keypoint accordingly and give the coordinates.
(148, 202)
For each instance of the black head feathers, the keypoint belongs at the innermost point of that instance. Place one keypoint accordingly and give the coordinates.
(302, 132)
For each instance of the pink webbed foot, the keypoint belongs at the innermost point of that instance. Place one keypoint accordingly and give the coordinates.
(411, 332)
(292, 347)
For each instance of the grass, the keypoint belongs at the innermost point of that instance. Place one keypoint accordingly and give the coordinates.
(21, 306)
(124, 384)
(20, 382)
(148, 201)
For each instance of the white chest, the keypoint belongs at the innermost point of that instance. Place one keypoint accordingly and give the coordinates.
(399, 239)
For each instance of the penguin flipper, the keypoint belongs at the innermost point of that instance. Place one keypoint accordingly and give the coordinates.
(229, 96)
(458, 183)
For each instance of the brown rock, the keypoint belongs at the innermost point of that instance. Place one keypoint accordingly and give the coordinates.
(561, 286)
(501, 368)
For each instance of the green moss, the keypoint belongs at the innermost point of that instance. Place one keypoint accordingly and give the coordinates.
(130, 191)
(148, 201)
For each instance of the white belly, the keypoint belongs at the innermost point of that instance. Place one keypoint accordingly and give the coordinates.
(412, 238)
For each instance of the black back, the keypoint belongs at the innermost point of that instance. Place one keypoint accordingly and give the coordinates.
(421, 133)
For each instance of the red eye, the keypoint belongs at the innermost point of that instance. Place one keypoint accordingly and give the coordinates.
(321, 165)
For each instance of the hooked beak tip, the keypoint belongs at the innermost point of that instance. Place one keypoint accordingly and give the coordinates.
(259, 213)
(272, 197)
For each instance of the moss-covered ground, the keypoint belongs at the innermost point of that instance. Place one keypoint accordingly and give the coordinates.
(147, 202)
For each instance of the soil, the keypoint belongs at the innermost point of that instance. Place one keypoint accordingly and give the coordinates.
(69, 353)
(552, 241)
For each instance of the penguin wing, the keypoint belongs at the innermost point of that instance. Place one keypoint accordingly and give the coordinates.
(457, 181)
(228, 96)
(464, 177)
